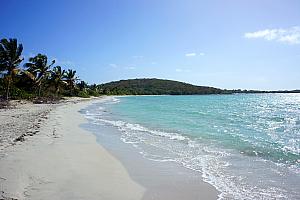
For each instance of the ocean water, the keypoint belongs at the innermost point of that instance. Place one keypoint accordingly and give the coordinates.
(246, 145)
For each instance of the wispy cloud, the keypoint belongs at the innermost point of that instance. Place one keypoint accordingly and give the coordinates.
(288, 36)
(137, 57)
(116, 66)
(194, 54)
(190, 54)
(130, 67)
(182, 70)
(65, 62)
(113, 65)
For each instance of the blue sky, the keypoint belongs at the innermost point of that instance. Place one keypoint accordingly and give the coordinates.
(251, 44)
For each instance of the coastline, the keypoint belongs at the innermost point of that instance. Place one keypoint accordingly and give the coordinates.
(65, 161)
(162, 180)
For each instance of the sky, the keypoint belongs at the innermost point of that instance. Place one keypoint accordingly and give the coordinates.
(247, 44)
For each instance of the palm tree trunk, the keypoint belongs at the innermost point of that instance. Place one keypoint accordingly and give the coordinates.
(40, 88)
(8, 88)
(57, 90)
(71, 89)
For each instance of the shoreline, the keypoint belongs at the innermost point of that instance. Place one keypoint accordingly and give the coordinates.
(162, 180)
(66, 161)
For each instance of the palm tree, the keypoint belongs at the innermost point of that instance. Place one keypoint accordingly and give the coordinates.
(10, 59)
(82, 85)
(57, 78)
(94, 88)
(38, 70)
(71, 78)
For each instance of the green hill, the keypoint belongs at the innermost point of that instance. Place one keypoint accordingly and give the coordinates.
(156, 87)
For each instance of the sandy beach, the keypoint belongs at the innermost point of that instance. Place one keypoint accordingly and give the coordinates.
(61, 160)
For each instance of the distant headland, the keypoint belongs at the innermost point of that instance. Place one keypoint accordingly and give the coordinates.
(153, 86)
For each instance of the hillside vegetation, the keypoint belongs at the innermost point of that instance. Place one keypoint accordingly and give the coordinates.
(156, 87)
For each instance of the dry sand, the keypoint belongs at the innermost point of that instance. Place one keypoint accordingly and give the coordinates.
(62, 161)
(24, 118)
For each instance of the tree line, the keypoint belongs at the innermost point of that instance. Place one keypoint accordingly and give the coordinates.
(38, 77)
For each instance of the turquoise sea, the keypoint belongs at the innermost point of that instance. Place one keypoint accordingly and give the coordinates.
(245, 145)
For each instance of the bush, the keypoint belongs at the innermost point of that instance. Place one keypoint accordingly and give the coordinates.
(83, 94)
(93, 93)
(17, 93)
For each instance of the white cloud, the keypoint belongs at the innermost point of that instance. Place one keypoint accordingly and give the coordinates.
(64, 62)
(288, 36)
(130, 67)
(113, 65)
(194, 54)
(182, 70)
(190, 54)
(137, 57)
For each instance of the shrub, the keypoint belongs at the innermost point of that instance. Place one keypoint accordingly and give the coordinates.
(17, 93)
(83, 94)
(93, 93)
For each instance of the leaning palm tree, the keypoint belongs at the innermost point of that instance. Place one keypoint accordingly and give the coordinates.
(10, 59)
(38, 70)
(57, 78)
(71, 78)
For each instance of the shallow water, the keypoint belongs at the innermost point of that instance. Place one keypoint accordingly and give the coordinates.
(247, 146)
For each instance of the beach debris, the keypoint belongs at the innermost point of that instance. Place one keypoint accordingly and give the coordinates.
(4, 104)
(3, 197)
(20, 138)
(46, 100)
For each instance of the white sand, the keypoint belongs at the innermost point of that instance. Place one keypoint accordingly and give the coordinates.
(64, 161)
(24, 119)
